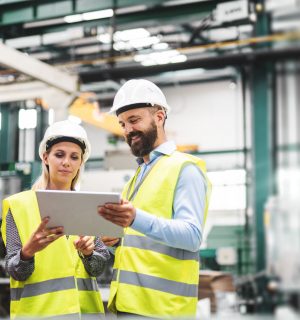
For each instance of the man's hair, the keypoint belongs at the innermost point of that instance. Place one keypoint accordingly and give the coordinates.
(155, 108)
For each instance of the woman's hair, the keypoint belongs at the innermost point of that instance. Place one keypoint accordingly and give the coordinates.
(43, 180)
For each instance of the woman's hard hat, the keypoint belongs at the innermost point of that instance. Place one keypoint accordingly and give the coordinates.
(138, 93)
(65, 131)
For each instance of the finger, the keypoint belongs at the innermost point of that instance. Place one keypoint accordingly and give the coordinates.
(110, 212)
(88, 250)
(56, 230)
(116, 207)
(106, 238)
(51, 238)
(117, 220)
(82, 243)
(111, 243)
(111, 215)
(89, 244)
(43, 224)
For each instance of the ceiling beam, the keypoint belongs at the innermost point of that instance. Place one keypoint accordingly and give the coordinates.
(214, 62)
(38, 70)
(13, 19)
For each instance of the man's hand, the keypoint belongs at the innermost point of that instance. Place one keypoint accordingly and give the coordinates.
(85, 245)
(40, 239)
(110, 241)
(121, 214)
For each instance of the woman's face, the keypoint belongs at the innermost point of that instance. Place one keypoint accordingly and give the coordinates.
(64, 161)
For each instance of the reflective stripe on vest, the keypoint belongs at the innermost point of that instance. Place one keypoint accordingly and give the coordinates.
(146, 243)
(35, 289)
(85, 284)
(146, 281)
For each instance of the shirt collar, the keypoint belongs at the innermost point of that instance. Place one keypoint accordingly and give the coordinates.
(166, 148)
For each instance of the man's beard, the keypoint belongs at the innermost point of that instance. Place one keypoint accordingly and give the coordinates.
(146, 143)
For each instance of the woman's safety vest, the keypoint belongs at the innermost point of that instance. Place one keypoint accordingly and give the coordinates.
(59, 285)
(151, 278)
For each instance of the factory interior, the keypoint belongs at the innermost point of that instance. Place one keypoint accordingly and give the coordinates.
(230, 70)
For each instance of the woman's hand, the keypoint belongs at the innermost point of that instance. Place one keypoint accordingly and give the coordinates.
(110, 241)
(85, 245)
(40, 239)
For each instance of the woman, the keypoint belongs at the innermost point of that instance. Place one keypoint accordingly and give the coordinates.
(52, 275)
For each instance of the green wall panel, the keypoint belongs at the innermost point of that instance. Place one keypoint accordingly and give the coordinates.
(18, 15)
(93, 5)
(54, 9)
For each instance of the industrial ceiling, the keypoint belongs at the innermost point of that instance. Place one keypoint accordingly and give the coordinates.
(104, 42)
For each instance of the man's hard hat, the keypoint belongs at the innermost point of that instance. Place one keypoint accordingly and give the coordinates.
(138, 94)
(65, 131)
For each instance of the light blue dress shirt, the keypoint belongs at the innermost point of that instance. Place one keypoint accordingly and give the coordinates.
(184, 231)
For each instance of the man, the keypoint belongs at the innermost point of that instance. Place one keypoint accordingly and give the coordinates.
(163, 210)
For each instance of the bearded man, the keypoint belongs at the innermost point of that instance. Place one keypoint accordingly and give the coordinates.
(163, 211)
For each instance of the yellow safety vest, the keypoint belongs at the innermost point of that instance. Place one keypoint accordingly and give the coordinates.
(59, 284)
(151, 278)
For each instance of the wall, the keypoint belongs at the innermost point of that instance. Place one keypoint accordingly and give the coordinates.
(208, 115)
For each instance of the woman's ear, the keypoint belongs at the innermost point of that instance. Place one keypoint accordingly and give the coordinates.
(45, 158)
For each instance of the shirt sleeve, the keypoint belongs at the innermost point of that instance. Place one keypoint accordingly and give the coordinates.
(17, 268)
(184, 231)
(95, 264)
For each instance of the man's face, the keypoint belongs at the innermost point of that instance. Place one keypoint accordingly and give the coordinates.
(140, 130)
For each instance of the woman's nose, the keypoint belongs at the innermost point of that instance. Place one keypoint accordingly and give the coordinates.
(66, 161)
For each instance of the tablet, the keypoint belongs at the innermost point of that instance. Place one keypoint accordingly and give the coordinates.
(77, 212)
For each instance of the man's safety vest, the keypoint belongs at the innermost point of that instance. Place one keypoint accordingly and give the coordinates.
(151, 278)
(59, 285)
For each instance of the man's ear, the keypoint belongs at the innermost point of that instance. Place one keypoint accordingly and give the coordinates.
(161, 115)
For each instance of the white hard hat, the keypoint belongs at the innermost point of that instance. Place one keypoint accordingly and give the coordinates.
(65, 131)
(137, 94)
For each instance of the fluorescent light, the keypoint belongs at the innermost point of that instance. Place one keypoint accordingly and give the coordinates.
(148, 63)
(131, 34)
(124, 36)
(73, 18)
(143, 42)
(101, 14)
(121, 45)
(104, 38)
(160, 46)
(27, 118)
(154, 58)
(179, 58)
(93, 15)
(50, 116)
